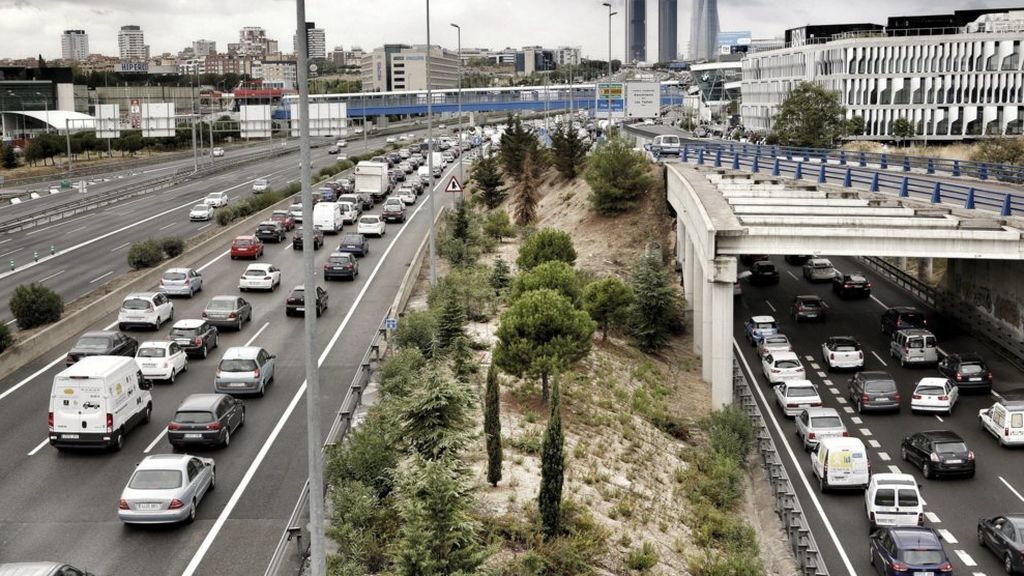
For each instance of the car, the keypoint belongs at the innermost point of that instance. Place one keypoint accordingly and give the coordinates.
(842, 353)
(147, 309)
(216, 199)
(356, 200)
(218, 152)
(350, 211)
(815, 423)
(399, 174)
(101, 343)
(436, 172)
(403, 137)
(201, 213)
(391, 140)
(260, 185)
(846, 285)
(333, 149)
(341, 265)
(902, 317)
(372, 225)
(393, 213)
(271, 231)
(794, 396)
(161, 360)
(898, 550)
(968, 370)
(318, 238)
(341, 143)
(808, 307)
(166, 489)
(228, 311)
(245, 370)
(1004, 536)
(283, 218)
(407, 195)
(757, 327)
(295, 304)
(797, 259)
(260, 276)
(749, 259)
(181, 282)
(913, 346)
(934, 395)
(893, 499)
(205, 420)
(41, 569)
(357, 131)
(873, 390)
(938, 453)
(763, 273)
(841, 462)
(295, 210)
(246, 247)
(1005, 418)
(819, 270)
(196, 337)
(774, 343)
(782, 366)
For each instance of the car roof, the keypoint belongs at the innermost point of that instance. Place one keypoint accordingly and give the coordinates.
(800, 384)
(932, 381)
(905, 309)
(894, 478)
(821, 411)
(29, 568)
(178, 269)
(269, 223)
(243, 352)
(969, 357)
(761, 319)
(941, 436)
(348, 237)
(341, 255)
(201, 401)
(223, 297)
(155, 343)
(776, 338)
(875, 375)
(785, 355)
(245, 237)
(842, 442)
(819, 261)
(141, 295)
(808, 297)
(370, 217)
(915, 536)
(916, 332)
(103, 333)
(849, 339)
(189, 323)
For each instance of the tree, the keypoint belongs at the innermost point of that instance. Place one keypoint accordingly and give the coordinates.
(492, 426)
(607, 300)
(498, 226)
(516, 143)
(450, 322)
(417, 329)
(656, 308)
(525, 199)
(7, 157)
(34, 305)
(499, 279)
(552, 464)
(488, 178)
(568, 151)
(810, 116)
(460, 221)
(554, 275)
(901, 129)
(434, 421)
(540, 334)
(617, 176)
(546, 245)
(6, 339)
(855, 126)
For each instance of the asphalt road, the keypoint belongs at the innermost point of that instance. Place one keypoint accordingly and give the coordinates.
(64, 505)
(953, 506)
(91, 248)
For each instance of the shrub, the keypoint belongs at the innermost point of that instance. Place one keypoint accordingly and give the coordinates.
(607, 301)
(1000, 151)
(657, 306)
(555, 275)
(172, 246)
(367, 455)
(715, 479)
(469, 285)
(730, 432)
(417, 329)
(6, 339)
(617, 176)
(498, 226)
(642, 559)
(225, 215)
(546, 245)
(400, 371)
(34, 305)
(499, 278)
(145, 254)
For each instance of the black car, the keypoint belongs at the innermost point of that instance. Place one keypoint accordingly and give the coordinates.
(196, 337)
(366, 200)
(393, 213)
(271, 231)
(902, 317)
(318, 238)
(103, 343)
(969, 371)
(228, 311)
(354, 244)
(341, 265)
(851, 285)
(1004, 536)
(749, 259)
(205, 420)
(874, 390)
(938, 453)
(797, 259)
(763, 273)
(808, 307)
(295, 305)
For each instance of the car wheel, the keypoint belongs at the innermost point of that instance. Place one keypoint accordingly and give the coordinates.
(227, 439)
(981, 537)
(184, 367)
(203, 352)
(240, 289)
(822, 485)
(191, 513)
(238, 327)
(242, 421)
(1008, 563)
(860, 407)
(926, 470)
(118, 441)
(121, 327)
(262, 391)
(147, 415)
(173, 376)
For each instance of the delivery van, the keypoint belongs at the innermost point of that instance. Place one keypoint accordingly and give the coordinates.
(841, 463)
(96, 401)
(893, 500)
(328, 217)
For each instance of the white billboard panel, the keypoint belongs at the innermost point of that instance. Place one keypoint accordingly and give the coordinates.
(643, 100)
(255, 121)
(325, 118)
(158, 120)
(108, 121)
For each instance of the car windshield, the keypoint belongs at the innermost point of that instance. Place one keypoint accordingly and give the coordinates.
(971, 369)
(174, 276)
(152, 352)
(950, 448)
(764, 326)
(810, 303)
(237, 365)
(826, 422)
(155, 480)
(221, 305)
(801, 392)
(193, 417)
(787, 364)
(930, 390)
(921, 557)
(93, 343)
(880, 386)
(135, 304)
(184, 332)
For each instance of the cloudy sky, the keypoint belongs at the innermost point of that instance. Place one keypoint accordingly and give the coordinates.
(31, 27)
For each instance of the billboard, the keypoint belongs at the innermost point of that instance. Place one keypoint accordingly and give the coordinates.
(108, 121)
(643, 99)
(158, 120)
(255, 121)
(133, 67)
(325, 118)
(135, 113)
(724, 41)
(610, 98)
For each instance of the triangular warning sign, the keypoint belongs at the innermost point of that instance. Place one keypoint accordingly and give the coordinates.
(453, 185)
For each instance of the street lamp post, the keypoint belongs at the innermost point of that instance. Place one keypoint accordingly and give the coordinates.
(610, 14)
(462, 176)
(430, 157)
(46, 106)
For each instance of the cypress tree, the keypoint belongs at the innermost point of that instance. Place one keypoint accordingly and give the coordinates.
(552, 469)
(492, 426)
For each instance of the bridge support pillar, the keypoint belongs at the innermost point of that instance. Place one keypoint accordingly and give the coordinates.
(707, 326)
(699, 308)
(720, 359)
(924, 269)
(687, 245)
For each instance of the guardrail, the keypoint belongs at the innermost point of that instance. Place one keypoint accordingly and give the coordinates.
(787, 506)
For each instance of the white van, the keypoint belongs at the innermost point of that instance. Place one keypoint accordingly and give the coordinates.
(96, 401)
(1004, 419)
(328, 217)
(914, 346)
(893, 500)
(841, 463)
(349, 212)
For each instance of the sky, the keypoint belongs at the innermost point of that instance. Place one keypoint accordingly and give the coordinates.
(32, 27)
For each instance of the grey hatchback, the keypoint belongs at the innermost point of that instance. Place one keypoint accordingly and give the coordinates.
(205, 420)
(244, 370)
(874, 390)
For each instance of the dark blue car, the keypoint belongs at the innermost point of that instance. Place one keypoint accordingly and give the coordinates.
(905, 550)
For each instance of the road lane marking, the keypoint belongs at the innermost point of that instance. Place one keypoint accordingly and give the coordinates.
(75, 230)
(814, 365)
(874, 443)
(856, 420)
(168, 226)
(966, 558)
(895, 469)
(865, 432)
(932, 517)
(258, 332)
(846, 409)
(880, 303)
(827, 382)
(821, 374)
(155, 440)
(12, 252)
(54, 226)
(879, 358)
(939, 418)
(793, 275)
(5, 241)
(884, 456)
(1015, 493)
(842, 400)
(809, 358)
(54, 275)
(95, 280)
(9, 322)
(834, 391)
(40, 447)
(207, 225)
(769, 303)
(125, 245)
(947, 536)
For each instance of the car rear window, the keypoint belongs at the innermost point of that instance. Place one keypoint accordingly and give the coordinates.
(255, 272)
(912, 318)
(855, 278)
(369, 220)
(221, 305)
(174, 276)
(821, 265)
(880, 386)
(351, 239)
(135, 304)
(801, 392)
(785, 364)
(1017, 420)
(155, 480)
(847, 347)
(826, 422)
(766, 267)
(152, 352)
(810, 303)
(340, 260)
(193, 417)
(950, 448)
(241, 243)
(885, 497)
(184, 332)
(921, 557)
(908, 498)
(931, 390)
(237, 365)
(268, 228)
(764, 325)
(93, 343)
(776, 340)
(973, 368)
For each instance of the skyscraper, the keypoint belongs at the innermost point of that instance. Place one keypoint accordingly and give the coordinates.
(636, 31)
(703, 29)
(668, 24)
(132, 43)
(74, 45)
(316, 42)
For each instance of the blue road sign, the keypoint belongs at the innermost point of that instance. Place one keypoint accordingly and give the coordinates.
(391, 323)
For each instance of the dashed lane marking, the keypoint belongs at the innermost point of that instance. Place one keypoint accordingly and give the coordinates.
(947, 536)
(846, 409)
(895, 469)
(821, 374)
(874, 443)
(1012, 489)
(834, 391)
(793, 275)
(879, 358)
(769, 303)
(40, 447)
(98, 278)
(809, 358)
(932, 517)
(884, 456)
(856, 420)
(814, 365)
(966, 558)
(865, 432)
(842, 400)
(879, 302)
(939, 418)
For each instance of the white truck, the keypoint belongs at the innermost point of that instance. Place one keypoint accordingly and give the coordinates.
(439, 161)
(372, 179)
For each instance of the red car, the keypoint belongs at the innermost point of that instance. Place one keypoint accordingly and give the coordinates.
(246, 247)
(284, 218)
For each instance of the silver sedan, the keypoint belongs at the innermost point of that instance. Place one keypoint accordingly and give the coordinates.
(166, 489)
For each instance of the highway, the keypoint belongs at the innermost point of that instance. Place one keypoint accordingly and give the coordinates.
(64, 505)
(953, 506)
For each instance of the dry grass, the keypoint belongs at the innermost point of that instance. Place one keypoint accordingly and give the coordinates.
(945, 151)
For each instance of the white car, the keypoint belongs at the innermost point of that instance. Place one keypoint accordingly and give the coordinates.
(407, 195)
(815, 424)
(403, 137)
(218, 152)
(774, 343)
(216, 199)
(260, 185)
(795, 396)
(149, 309)
(392, 200)
(391, 140)
(782, 366)
(200, 213)
(260, 276)
(357, 131)
(371, 225)
(842, 352)
(166, 488)
(934, 395)
(295, 211)
(161, 360)
(341, 143)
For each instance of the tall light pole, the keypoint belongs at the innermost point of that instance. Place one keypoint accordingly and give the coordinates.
(462, 176)
(610, 14)
(430, 157)
(46, 106)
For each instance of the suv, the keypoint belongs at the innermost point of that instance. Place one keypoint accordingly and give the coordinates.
(244, 369)
(205, 420)
(900, 317)
(909, 550)
(808, 307)
(318, 238)
(851, 285)
(150, 309)
(295, 305)
(196, 337)
(938, 452)
(272, 231)
(969, 371)
(874, 391)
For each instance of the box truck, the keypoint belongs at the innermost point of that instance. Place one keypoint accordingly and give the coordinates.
(372, 179)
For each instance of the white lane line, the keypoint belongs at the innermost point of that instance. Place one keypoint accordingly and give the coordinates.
(865, 432)
(95, 280)
(9, 322)
(880, 303)
(856, 420)
(821, 374)
(879, 358)
(884, 456)
(966, 558)
(168, 226)
(814, 365)
(932, 517)
(799, 468)
(895, 469)
(827, 382)
(40, 447)
(874, 443)
(793, 275)
(12, 252)
(809, 358)
(5, 241)
(769, 303)
(947, 536)
(1012, 489)
(54, 226)
(207, 225)
(222, 518)
(258, 332)
(54, 275)
(846, 409)
(125, 245)
(75, 230)
(834, 391)
(155, 440)
(939, 418)
(842, 400)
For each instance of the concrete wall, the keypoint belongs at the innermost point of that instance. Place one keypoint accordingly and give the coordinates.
(995, 287)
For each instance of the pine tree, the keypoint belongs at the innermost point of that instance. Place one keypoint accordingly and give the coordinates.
(450, 322)
(525, 201)
(488, 178)
(568, 151)
(7, 157)
(462, 359)
(492, 426)
(607, 300)
(500, 276)
(552, 469)
(461, 221)
(656, 305)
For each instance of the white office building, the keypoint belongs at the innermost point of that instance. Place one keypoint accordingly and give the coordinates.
(74, 45)
(131, 44)
(960, 82)
(316, 39)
